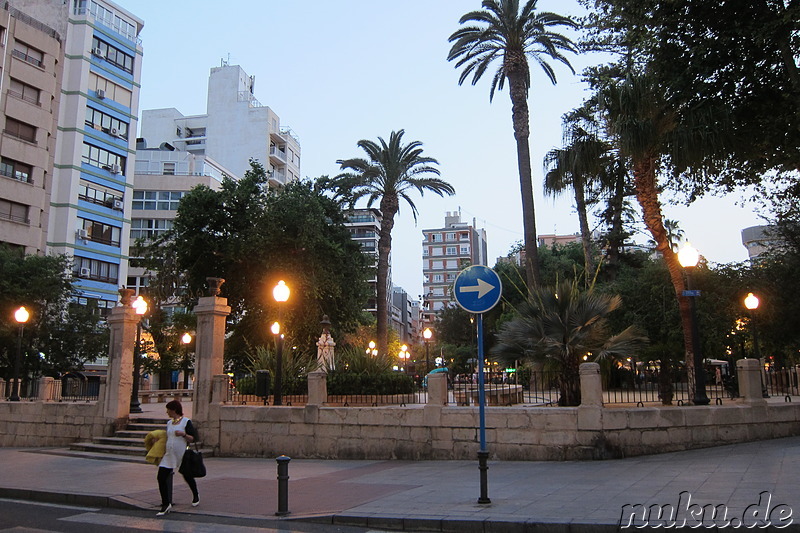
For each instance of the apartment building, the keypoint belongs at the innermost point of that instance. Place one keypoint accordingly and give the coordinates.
(31, 74)
(446, 251)
(365, 228)
(235, 128)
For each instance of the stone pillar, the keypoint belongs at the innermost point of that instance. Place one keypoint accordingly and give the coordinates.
(46, 392)
(795, 389)
(317, 387)
(750, 381)
(211, 313)
(591, 386)
(122, 323)
(437, 388)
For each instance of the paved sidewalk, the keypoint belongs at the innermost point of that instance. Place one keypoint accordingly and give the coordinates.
(431, 495)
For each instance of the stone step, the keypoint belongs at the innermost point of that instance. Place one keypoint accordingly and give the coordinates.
(108, 448)
(118, 440)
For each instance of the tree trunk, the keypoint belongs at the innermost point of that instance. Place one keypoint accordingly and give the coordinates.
(519, 115)
(616, 236)
(647, 195)
(388, 210)
(586, 238)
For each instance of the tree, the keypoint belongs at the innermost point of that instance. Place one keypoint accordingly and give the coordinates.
(387, 175)
(560, 325)
(504, 31)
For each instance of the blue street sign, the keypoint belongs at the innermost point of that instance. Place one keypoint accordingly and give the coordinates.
(477, 289)
(691, 293)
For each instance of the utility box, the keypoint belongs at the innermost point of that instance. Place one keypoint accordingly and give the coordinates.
(263, 383)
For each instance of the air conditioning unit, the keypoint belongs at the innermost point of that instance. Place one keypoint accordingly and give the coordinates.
(114, 132)
(115, 169)
(118, 205)
(82, 234)
(85, 272)
(101, 93)
(97, 52)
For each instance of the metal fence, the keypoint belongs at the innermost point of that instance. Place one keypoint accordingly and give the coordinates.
(780, 382)
(58, 390)
(502, 388)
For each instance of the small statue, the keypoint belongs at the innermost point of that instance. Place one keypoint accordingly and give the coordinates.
(325, 346)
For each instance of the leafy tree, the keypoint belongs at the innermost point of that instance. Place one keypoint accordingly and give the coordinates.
(387, 175)
(504, 31)
(559, 325)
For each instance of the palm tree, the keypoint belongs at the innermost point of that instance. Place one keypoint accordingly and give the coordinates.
(504, 31)
(388, 174)
(559, 325)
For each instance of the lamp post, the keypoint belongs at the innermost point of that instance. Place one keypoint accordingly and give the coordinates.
(427, 334)
(186, 339)
(281, 295)
(688, 258)
(140, 306)
(404, 355)
(751, 302)
(371, 350)
(21, 315)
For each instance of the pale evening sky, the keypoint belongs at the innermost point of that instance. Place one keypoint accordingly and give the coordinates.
(338, 72)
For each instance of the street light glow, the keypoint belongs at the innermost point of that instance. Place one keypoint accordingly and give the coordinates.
(186, 339)
(276, 328)
(427, 334)
(751, 301)
(688, 256)
(281, 292)
(21, 315)
(139, 305)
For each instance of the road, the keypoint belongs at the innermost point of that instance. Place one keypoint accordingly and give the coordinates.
(22, 516)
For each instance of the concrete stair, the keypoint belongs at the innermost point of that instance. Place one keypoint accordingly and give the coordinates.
(126, 444)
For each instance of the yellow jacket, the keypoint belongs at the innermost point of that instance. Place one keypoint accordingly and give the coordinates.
(156, 444)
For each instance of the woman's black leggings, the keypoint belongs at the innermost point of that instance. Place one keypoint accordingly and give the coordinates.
(165, 485)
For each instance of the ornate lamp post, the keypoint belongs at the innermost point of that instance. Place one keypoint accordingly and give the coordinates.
(281, 295)
(688, 258)
(404, 355)
(751, 302)
(140, 306)
(21, 315)
(186, 339)
(427, 334)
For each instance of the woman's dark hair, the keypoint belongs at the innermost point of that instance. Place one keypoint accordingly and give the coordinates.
(176, 406)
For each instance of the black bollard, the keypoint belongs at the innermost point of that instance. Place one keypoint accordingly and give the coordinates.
(483, 467)
(283, 485)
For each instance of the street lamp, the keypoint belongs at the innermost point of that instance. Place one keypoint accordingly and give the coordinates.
(186, 339)
(688, 258)
(371, 350)
(21, 315)
(427, 334)
(140, 306)
(281, 295)
(751, 302)
(404, 355)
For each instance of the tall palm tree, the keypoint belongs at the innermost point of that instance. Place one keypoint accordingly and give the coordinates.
(559, 325)
(512, 35)
(387, 175)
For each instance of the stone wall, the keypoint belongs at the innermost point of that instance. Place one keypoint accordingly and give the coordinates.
(41, 424)
(512, 433)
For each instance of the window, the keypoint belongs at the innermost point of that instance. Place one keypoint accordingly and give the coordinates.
(24, 91)
(104, 122)
(437, 265)
(149, 228)
(438, 278)
(16, 170)
(464, 236)
(20, 130)
(169, 169)
(102, 233)
(113, 55)
(437, 250)
(28, 54)
(160, 200)
(110, 89)
(98, 194)
(95, 270)
(14, 212)
(107, 17)
(452, 264)
(451, 236)
(465, 249)
(436, 237)
(452, 250)
(98, 157)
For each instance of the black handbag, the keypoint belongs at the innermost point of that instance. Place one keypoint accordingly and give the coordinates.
(192, 463)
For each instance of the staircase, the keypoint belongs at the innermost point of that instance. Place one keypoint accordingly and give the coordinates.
(126, 444)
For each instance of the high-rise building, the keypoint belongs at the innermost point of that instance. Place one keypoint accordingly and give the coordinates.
(365, 228)
(759, 239)
(235, 128)
(445, 252)
(70, 79)
(30, 94)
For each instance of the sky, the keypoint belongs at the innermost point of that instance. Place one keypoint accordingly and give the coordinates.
(338, 72)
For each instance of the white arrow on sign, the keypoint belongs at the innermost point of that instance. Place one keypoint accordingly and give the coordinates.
(481, 288)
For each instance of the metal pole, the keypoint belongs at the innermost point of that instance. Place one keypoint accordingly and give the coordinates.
(15, 388)
(135, 407)
(482, 454)
(427, 357)
(278, 400)
(283, 485)
(757, 354)
(700, 397)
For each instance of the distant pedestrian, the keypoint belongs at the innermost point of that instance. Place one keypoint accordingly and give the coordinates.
(180, 432)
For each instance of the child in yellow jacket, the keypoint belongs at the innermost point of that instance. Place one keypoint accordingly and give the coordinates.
(156, 444)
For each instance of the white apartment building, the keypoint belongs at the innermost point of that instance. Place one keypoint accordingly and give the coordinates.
(447, 251)
(94, 146)
(235, 128)
(365, 228)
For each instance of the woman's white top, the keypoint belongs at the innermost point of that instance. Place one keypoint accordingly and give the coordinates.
(176, 446)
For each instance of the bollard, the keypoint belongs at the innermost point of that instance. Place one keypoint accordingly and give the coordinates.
(484, 468)
(283, 485)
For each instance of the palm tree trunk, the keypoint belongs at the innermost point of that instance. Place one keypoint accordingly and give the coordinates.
(580, 201)
(616, 236)
(520, 119)
(647, 195)
(388, 210)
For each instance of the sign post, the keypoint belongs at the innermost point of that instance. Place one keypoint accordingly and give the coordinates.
(477, 290)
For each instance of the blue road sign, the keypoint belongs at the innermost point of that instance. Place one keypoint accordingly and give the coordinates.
(691, 293)
(477, 289)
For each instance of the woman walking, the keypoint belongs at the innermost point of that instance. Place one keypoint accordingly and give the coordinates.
(180, 432)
